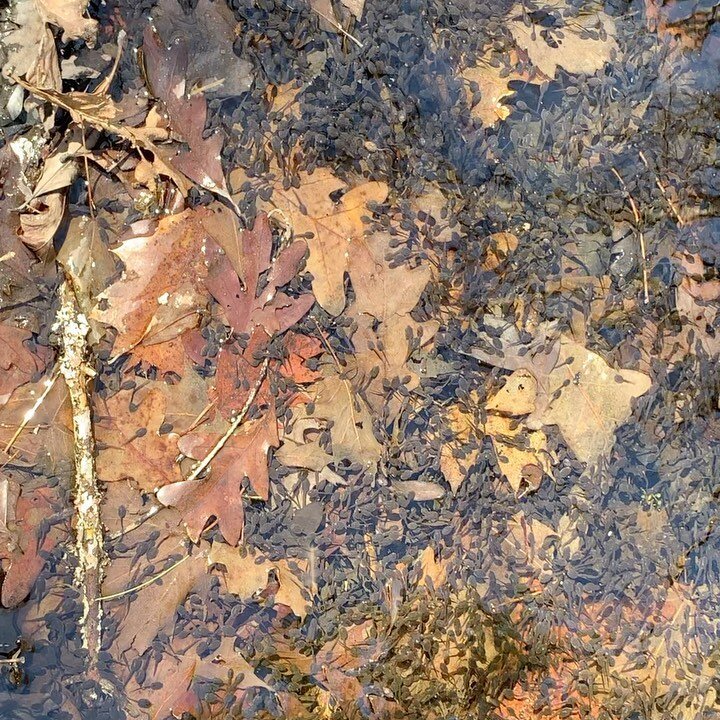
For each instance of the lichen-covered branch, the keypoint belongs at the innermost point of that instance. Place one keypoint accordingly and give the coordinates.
(72, 327)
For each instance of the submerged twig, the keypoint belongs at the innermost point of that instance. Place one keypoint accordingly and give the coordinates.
(234, 425)
(30, 414)
(641, 237)
(73, 327)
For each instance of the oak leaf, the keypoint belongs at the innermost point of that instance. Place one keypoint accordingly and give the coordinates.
(219, 494)
(23, 538)
(492, 84)
(130, 444)
(586, 41)
(351, 433)
(17, 363)
(162, 288)
(166, 68)
(588, 399)
(246, 575)
(334, 230)
(246, 304)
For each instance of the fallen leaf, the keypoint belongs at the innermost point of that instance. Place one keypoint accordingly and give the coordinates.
(212, 67)
(69, 15)
(17, 363)
(245, 303)
(129, 442)
(166, 69)
(153, 608)
(421, 490)
(351, 434)
(458, 455)
(100, 111)
(588, 400)
(87, 259)
(586, 40)
(300, 447)
(25, 540)
(162, 289)
(334, 230)
(386, 334)
(246, 575)
(521, 453)
(500, 246)
(516, 396)
(492, 83)
(433, 573)
(40, 222)
(219, 494)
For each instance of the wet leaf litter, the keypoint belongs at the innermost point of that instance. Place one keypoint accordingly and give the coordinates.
(396, 393)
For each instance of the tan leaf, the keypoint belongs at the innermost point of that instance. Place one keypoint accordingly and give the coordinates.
(592, 401)
(575, 51)
(336, 229)
(246, 575)
(455, 459)
(524, 464)
(69, 15)
(500, 246)
(40, 221)
(352, 432)
(152, 609)
(517, 396)
(493, 86)
(431, 570)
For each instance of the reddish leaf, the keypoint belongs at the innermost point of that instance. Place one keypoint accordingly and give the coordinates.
(161, 291)
(17, 363)
(22, 544)
(166, 69)
(220, 494)
(246, 305)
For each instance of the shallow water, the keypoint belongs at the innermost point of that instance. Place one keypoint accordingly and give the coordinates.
(598, 583)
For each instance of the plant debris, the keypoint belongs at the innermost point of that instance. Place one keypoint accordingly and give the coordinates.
(358, 360)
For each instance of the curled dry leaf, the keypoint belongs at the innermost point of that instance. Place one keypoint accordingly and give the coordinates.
(219, 494)
(39, 223)
(69, 15)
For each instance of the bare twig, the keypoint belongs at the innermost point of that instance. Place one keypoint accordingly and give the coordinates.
(73, 328)
(30, 414)
(234, 425)
(143, 584)
(663, 190)
(641, 237)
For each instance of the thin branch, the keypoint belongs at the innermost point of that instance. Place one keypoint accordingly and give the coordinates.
(30, 414)
(202, 466)
(641, 237)
(143, 584)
